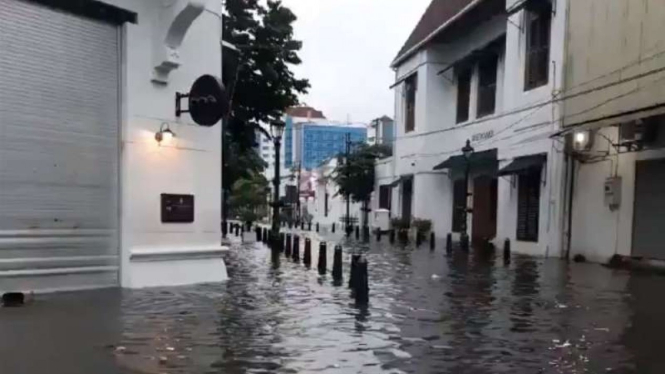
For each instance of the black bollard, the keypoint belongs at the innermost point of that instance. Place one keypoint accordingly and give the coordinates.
(362, 283)
(280, 242)
(392, 236)
(257, 230)
(317, 227)
(432, 241)
(506, 250)
(264, 235)
(366, 233)
(337, 263)
(225, 228)
(378, 235)
(288, 246)
(357, 232)
(309, 226)
(270, 241)
(353, 274)
(302, 225)
(333, 227)
(464, 243)
(307, 258)
(419, 238)
(449, 243)
(323, 258)
(295, 254)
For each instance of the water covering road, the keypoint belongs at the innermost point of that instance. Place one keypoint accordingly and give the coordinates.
(428, 313)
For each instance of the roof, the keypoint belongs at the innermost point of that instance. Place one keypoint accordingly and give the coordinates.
(304, 112)
(438, 13)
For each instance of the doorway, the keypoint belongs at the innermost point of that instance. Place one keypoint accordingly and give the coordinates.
(648, 223)
(407, 197)
(485, 190)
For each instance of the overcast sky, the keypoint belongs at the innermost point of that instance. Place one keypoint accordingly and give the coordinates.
(347, 49)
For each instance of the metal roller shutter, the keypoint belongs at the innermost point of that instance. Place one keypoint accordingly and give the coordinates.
(59, 121)
(649, 213)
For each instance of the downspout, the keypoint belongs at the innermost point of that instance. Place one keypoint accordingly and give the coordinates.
(571, 190)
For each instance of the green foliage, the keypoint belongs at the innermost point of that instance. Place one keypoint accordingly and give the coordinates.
(355, 176)
(424, 226)
(259, 78)
(400, 224)
(248, 198)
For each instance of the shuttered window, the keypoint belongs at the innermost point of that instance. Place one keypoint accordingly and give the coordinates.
(459, 205)
(538, 21)
(528, 206)
(463, 95)
(411, 86)
(487, 73)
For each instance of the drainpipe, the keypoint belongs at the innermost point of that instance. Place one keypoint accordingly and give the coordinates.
(571, 189)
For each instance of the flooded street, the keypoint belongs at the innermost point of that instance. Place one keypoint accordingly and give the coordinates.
(428, 313)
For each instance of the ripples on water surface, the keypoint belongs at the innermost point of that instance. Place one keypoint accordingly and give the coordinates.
(427, 314)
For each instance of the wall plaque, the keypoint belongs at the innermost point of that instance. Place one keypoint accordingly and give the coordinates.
(177, 208)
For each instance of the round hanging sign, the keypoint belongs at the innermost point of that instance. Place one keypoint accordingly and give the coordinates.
(208, 100)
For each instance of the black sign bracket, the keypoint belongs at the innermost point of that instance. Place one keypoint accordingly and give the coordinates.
(178, 103)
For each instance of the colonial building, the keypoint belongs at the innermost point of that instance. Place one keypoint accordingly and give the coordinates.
(488, 73)
(102, 184)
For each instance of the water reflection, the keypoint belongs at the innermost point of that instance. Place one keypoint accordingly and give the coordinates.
(428, 313)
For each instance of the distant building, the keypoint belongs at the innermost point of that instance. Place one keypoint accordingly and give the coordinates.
(381, 131)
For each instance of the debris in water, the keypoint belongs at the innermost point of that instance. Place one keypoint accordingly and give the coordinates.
(434, 276)
(566, 344)
(605, 329)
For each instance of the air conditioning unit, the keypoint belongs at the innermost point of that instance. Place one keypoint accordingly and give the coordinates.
(639, 133)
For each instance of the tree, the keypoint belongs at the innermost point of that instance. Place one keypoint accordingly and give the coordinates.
(355, 175)
(258, 77)
(248, 197)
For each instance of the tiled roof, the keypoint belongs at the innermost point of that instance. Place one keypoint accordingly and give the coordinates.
(438, 13)
(304, 112)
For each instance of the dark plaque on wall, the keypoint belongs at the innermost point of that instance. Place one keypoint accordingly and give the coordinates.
(177, 208)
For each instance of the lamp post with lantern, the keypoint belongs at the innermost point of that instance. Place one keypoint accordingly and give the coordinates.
(275, 135)
(467, 151)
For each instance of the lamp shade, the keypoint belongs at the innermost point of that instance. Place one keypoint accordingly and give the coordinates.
(277, 129)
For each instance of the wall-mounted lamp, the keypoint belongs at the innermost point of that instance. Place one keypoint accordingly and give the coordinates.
(582, 140)
(164, 133)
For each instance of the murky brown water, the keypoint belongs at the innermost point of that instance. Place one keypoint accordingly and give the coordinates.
(427, 314)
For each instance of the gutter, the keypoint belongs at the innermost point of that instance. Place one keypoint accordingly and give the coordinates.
(431, 36)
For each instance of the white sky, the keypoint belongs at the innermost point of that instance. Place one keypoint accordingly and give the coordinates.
(347, 49)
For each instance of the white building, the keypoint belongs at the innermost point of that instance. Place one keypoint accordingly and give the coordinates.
(329, 205)
(86, 86)
(487, 72)
(614, 107)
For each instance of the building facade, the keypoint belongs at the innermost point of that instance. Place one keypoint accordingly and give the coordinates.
(486, 72)
(614, 128)
(86, 87)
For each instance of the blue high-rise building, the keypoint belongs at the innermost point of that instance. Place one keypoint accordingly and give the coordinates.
(313, 143)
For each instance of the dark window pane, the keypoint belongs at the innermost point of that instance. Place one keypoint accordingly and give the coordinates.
(463, 94)
(487, 73)
(411, 86)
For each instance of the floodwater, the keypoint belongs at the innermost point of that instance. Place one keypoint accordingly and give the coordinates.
(428, 313)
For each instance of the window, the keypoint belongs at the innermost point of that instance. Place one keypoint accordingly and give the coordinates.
(528, 206)
(459, 205)
(407, 197)
(325, 205)
(487, 71)
(410, 86)
(538, 21)
(384, 196)
(463, 94)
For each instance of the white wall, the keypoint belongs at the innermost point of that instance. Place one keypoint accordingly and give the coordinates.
(191, 163)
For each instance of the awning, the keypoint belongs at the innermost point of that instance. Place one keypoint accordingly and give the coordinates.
(483, 158)
(493, 48)
(524, 163)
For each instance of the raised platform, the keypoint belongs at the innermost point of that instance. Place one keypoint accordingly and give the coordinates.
(174, 267)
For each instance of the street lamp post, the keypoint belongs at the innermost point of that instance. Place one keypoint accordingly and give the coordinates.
(467, 151)
(276, 132)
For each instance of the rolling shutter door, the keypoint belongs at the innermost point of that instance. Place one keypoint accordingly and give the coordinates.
(649, 223)
(59, 121)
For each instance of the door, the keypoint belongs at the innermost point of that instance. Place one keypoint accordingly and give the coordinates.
(59, 154)
(407, 197)
(649, 221)
(484, 210)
